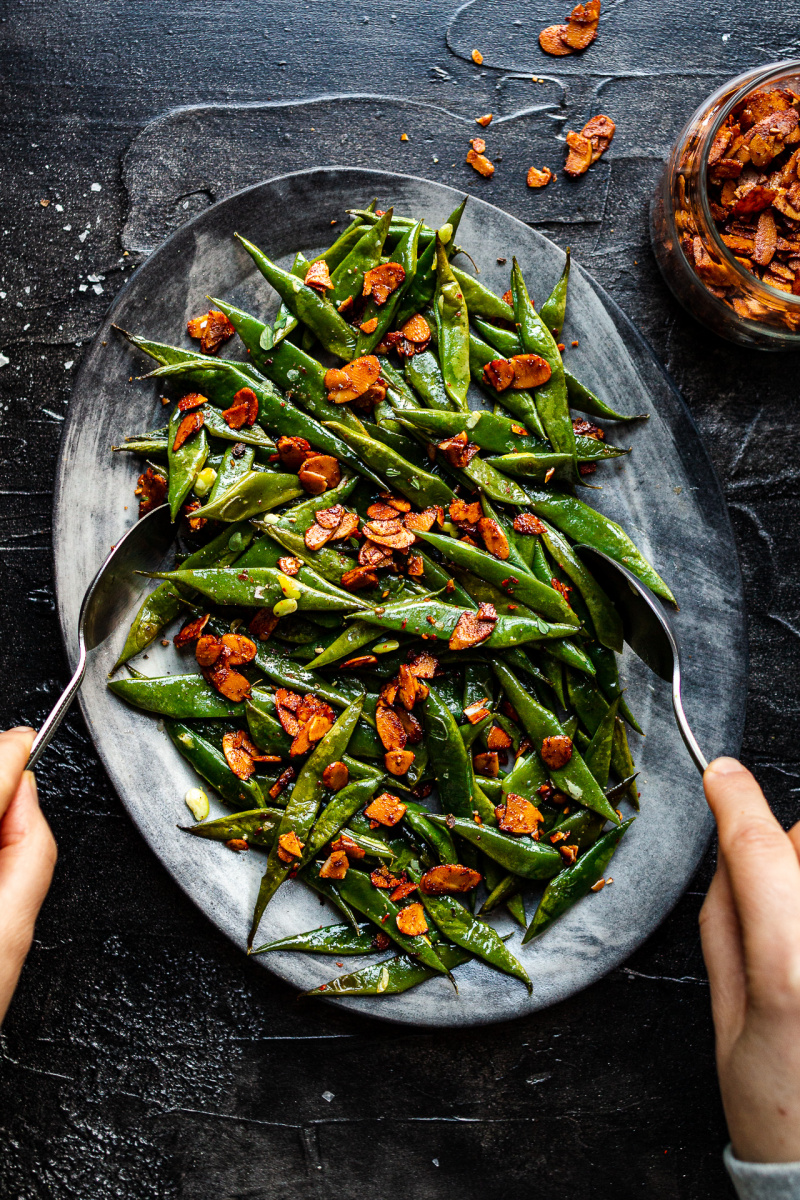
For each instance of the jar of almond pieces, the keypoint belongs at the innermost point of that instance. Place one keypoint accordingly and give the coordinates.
(725, 219)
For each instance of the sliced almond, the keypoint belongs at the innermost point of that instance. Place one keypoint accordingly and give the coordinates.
(579, 158)
(411, 920)
(397, 762)
(494, 539)
(449, 879)
(190, 424)
(556, 751)
(320, 472)
(518, 815)
(480, 163)
(499, 374)
(318, 276)
(537, 178)
(349, 382)
(390, 727)
(386, 809)
(336, 865)
(336, 776)
(470, 630)
(381, 281)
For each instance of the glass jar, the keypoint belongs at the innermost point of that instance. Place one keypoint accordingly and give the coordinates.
(718, 288)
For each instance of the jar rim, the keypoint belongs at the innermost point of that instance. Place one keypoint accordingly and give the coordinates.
(751, 82)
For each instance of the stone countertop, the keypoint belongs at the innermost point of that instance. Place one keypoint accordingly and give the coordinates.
(143, 1058)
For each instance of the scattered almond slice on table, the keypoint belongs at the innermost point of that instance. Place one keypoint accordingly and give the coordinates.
(579, 32)
(586, 147)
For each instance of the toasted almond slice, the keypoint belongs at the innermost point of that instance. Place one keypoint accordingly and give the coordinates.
(579, 158)
(191, 400)
(372, 555)
(383, 878)
(208, 650)
(410, 723)
(407, 687)
(151, 488)
(458, 451)
(755, 200)
(380, 511)
(529, 523)
(498, 739)
(537, 178)
(449, 879)
(579, 34)
(369, 326)
(320, 472)
(381, 532)
(351, 381)
(190, 424)
(336, 776)
(318, 275)
(415, 567)
(404, 890)
(478, 144)
(470, 631)
(289, 700)
(477, 57)
(191, 632)
(318, 726)
(390, 727)
(293, 451)
(556, 751)
(291, 845)
(397, 762)
(417, 330)
(411, 920)
(358, 578)
(600, 131)
(386, 809)
(552, 41)
(330, 518)
(494, 539)
(336, 865)
(518, 815)
(398, 503)
(390, 690)
(240, 648)
(586, 13)
(243, 411)
(362, 660)
(480, 163)
(351, 848)
(290, 565)
(486, 763)
(315, 536)
(236, 756)
(423, 665)
(348, 526)
(420, 522)
(485, 120)
(282, 782)
(530, 371)
(477, 711)
(499, 374)
(230, 684)
(462, 513)
(381, 281)
(213, 328)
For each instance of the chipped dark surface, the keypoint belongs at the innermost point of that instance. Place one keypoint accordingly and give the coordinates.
(143, 1058)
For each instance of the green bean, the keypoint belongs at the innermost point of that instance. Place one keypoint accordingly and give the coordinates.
(554, 308)
(406, 255)
(412, 482)
(390, 977)
(257, 827)
(423, 286)
(348, 238)
(551, 397)
(180, 696)
(605, 618)
(598, 753)
(436, 619)
(330, 939)
(217, 426)
(149, 447)
(605, 663)
(576, 881)
(253, 494)
(348, 277)
(520, 855)
(584, 524)
(452, 321)
(232, 468)
(301, 810)
(263, 587)
(425, 376)
(437, 838)
(305, 302)
(459, 926)
(521, 404)
(451, 762)
(185, 464)
(574, 779)
(481, 301)
(353, 638)
(518, 586)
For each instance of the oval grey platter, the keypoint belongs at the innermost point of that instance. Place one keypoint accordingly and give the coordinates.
(665, 494)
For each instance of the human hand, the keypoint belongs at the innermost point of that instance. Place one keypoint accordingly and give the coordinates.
(27, 858)
(750, 930)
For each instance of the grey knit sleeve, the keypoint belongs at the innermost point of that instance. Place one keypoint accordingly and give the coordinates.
(763, 1181)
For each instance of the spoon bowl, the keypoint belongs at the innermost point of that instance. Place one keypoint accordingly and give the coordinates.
(648, 630)
(110, 595)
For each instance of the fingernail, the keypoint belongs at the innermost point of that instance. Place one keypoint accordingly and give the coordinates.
(30, 780)
(21, 729)
(726, 766)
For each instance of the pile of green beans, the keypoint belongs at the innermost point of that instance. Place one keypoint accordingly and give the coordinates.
(502, 644)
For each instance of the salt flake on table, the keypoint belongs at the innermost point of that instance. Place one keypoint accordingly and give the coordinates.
(328, 1096)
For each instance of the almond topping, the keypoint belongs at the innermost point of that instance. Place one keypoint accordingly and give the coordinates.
(518, 815)
(381, 281)
(212, 329)
(243, 411)
(494, 539)
(480, 163)
(318, 276)
(151, 488)
(190, 424)
(336, 776)
(347, 383)
(499, 374)
(336, 865)
(386, 809)
(320, 472)
(411, 920)
(290, 846)
(538, 178)
(397, 762)
(449, 880)
(556, 751)
(530, 371)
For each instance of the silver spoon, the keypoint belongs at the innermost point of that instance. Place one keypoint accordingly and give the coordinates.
(648, 631)
(108, 598)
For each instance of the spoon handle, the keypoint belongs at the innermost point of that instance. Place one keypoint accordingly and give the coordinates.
(50, 727)
(689, 739)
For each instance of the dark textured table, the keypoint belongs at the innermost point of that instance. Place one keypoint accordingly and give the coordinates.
(142, 1057)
